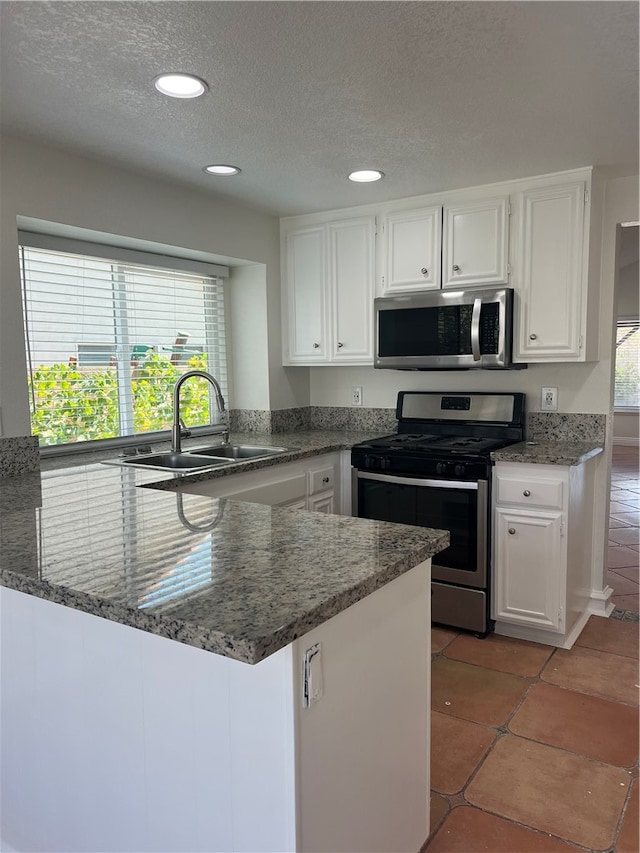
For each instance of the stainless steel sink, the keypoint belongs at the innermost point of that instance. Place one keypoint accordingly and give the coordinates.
(198, 459)
(239, 451)
(184, 462)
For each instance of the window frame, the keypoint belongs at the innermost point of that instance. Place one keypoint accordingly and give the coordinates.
(624, 321)
(126, 257)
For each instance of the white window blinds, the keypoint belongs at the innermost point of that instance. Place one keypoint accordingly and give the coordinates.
(107, 339)
(627, 381)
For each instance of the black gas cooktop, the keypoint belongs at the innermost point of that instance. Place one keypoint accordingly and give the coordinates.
(447, 435)
(434, 444)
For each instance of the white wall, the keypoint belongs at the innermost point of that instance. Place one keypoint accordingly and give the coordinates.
(579, 388)
(626, 424)
(621, 205)
(626, 428)
(248, 341)
(55, 186)
(628, 293)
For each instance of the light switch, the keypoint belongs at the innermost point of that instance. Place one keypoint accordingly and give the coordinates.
(312, 681)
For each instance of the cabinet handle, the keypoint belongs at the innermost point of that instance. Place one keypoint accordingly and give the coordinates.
(456, 268)
(512, 530)
(316, 346)
(527, 493)
(424, 271)
(533, 337)
(340, 345)
(325, 479)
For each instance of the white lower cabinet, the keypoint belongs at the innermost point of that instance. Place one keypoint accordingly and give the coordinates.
(542, 550)
(321, 503)
(312, 484)
(300, 503)
(529, 554)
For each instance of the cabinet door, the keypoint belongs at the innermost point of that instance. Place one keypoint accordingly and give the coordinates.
(412, 241)
(352, 277)
(475, 243)
(529, 570)
(321, 503)
(306, 297)
(300, 503)
(548, 273)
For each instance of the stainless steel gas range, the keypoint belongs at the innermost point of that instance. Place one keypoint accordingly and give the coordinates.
(436, 472)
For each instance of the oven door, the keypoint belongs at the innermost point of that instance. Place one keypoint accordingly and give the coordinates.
(457, 506)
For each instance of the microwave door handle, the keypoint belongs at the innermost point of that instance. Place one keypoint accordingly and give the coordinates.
(475, 329)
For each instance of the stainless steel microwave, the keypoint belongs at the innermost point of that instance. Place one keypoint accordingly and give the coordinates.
(445, 330)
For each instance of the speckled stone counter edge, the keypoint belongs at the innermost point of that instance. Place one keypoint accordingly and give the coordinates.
(548, 452)
(19, 455)
(246, 651)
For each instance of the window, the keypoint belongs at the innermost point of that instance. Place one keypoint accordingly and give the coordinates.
(627, 381)
(107, 338)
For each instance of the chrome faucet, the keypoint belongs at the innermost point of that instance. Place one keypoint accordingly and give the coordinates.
(178, 430)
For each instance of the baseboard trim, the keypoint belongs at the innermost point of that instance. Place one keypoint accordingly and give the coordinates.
(626, 442)
(540, 635)
(600, 603)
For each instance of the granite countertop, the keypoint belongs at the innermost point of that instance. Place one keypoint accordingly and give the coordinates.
(299, 445)
(548, 452)
(239, 579)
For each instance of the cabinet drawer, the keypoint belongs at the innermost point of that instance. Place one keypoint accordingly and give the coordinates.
(529, 492)
(321, 480)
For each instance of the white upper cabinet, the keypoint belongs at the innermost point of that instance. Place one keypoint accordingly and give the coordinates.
(539, 236)
(475, 243)
(306, 277)
(550, 273)
(329, 279)
(351, 252)
(454, 246)
(412, 244)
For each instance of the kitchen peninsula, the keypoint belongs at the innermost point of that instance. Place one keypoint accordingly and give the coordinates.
(189, 673)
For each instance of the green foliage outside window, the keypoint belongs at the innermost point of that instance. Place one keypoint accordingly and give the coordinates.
(74, 404)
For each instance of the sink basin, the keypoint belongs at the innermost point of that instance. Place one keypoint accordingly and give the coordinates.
(185, 462)
(239, 451)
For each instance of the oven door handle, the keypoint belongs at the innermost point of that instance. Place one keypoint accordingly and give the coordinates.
(475, 328)
(414, 481)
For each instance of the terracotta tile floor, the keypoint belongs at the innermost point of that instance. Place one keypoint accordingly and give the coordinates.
(624, 529)
(535, 749)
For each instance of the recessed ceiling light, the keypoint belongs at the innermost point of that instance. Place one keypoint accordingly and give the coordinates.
(366, 175)
(180, 85)
(222, 170)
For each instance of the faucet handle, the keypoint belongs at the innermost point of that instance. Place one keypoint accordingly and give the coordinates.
(184, 432)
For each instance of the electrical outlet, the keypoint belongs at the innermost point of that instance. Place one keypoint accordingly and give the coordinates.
(312, 680)
(549, 400)
(356, 395)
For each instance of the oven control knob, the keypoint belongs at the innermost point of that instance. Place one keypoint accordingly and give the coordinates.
(458, 470)
(385, 463)
(369, 461)
(441, 468)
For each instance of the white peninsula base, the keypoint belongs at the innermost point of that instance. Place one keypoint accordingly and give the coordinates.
(114, 739)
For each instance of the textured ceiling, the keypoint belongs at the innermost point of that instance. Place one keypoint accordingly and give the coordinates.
(436, 94)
